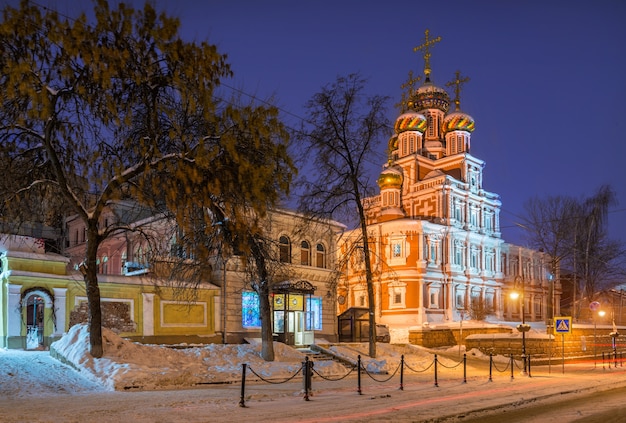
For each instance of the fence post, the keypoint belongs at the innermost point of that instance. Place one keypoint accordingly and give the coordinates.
(436, 383)
(306, 377)
(603, 360)
(358, 374)
(242, 402)
(512, 365)
(402, 372)
(490, 366)
(464, 368)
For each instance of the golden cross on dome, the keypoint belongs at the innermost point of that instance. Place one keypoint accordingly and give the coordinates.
(457, 82)
(407, 92)
(426, 48)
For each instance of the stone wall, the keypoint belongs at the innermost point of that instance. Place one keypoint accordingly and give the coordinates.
(583, 341)
(434, 337)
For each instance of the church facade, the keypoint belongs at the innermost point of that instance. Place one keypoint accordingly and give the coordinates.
(434, 230)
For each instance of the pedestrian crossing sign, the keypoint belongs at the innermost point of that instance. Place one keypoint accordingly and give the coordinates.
(563, 325)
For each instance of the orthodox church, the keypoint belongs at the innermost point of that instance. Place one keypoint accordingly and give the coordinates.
(434, 231)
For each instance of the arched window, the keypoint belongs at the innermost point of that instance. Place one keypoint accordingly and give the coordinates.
(285, 249)
(305, 253)
(320, 256)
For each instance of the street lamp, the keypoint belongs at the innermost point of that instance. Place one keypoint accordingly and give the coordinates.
(601, 313)
(523, 328)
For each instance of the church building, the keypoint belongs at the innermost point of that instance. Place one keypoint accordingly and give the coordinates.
(434, 230)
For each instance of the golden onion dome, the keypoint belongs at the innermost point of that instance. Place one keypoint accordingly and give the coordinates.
(390, 178)
(393, 143)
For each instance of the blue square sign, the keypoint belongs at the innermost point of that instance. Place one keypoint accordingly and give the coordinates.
(563, 325)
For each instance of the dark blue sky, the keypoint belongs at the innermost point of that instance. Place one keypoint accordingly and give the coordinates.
(547, 89)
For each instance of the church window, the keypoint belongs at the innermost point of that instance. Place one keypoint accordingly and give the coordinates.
(460, 298)
(285, 249)
(458, 254)
(397, 294)
(305, 253)
(433, 251)
(431, 125)
(434, 298)
(404, 146)
(320, 256)
(488, 221)
(473, 217)
(474, 259)
(396, 250)
(250, 315)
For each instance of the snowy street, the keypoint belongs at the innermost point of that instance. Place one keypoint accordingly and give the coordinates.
(35, 387)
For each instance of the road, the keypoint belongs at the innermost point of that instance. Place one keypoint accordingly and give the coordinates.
(588, 407)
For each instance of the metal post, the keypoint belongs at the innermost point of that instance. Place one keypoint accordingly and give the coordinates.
(242, 402)
(306, 377)
(402, 372)
(436, 383)
(490, 366)
(358, 374)
(512, 365)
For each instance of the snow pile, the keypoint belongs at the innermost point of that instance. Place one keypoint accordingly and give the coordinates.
(128, 365)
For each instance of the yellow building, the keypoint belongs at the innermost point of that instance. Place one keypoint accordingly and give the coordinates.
(42, 296)
(43, 293)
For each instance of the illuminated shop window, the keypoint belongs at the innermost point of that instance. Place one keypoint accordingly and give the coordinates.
(250, 315)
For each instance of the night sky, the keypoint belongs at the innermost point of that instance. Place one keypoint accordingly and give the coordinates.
(547, 82)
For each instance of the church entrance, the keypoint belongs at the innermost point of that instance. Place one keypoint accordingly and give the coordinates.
(292, 319)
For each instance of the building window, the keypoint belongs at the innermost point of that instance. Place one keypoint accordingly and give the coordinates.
(320, 256)
(396, 249)
(305, 253)
(285, 249)
(434, 298)
(458, 253)
(431, 125)
(474, 259)
(460, 298)
(397, 295)
(314, 313)
(250, 315)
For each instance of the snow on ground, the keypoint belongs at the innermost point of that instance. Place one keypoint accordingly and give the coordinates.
(127, 365)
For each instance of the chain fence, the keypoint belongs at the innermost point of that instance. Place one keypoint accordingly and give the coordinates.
(307, 371)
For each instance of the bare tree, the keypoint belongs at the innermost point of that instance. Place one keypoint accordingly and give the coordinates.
(549, 224)
(340, 134)
(573, 232)
(124, 108)
(595, 254)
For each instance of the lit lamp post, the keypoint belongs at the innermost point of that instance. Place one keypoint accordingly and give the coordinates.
(523, 328)
(595, 306)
